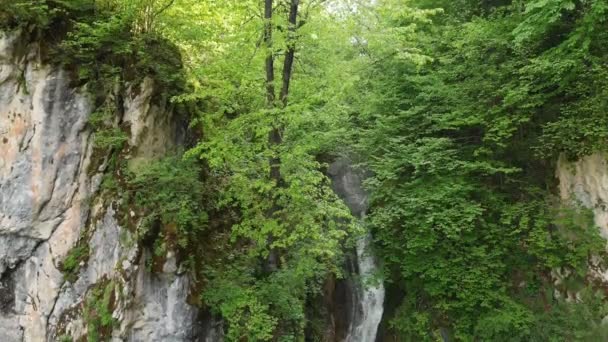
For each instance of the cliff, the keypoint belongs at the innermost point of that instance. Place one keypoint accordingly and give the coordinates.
(585, 182)
(51, 213)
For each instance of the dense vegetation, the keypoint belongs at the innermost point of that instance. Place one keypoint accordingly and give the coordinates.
(460, 110)
(463, 144)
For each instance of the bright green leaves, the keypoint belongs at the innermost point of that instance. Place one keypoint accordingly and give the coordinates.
(566, 51)
(541, 16)
(459, 115)
(581, 128)
(72, 262)
(170, 192)
(462, 150)
(256, 308)
(298, 218)
(111, 138)
(98, 308)
(309, 209)
(234, 295)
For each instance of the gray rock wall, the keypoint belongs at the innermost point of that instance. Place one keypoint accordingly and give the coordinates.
(586, 182)
(49, 199)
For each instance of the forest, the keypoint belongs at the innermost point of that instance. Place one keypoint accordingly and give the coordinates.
(457, 113)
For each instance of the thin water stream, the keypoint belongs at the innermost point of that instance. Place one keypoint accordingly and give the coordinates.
(368, 297)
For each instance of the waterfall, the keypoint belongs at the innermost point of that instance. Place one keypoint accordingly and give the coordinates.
(368, 299)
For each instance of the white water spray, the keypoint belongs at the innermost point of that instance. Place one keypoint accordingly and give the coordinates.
(370, 297)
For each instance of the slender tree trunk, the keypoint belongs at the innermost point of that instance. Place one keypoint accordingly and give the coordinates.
(270, 95)
(275, 136)
(291, 50)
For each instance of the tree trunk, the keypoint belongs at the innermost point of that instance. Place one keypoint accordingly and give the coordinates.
(270, 95)
(291, 50)
(275, 135)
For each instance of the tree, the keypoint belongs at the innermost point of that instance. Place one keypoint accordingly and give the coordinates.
(463, 204)
(289, 224)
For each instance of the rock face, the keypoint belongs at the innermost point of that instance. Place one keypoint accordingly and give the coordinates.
(586, 181)
(49, 203)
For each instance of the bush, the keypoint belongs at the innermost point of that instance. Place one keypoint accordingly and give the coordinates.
(170, 192)
(71, 263)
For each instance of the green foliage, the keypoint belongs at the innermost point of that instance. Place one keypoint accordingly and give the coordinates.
(463, 146)
(108, 51)
(110, 138)
(256, 308)
(572, 321)
(107, 136)
(239, 303)
(579, 320)
(41, 16)
(300, 219)
(170, 192)
(460, 110)
(66, 338)
(21, 13)
(71, 264)
(98, 309)
(107, 44)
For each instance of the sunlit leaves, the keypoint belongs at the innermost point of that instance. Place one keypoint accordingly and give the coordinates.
(461, 147)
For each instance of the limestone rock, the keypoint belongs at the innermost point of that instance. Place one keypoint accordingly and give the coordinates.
(586, 181)
(49, 203)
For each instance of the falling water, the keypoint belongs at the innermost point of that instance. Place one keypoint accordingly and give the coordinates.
(368, 299)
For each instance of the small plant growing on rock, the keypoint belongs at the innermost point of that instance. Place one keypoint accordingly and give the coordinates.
(71, 263)
(99, 306)
(65, 338)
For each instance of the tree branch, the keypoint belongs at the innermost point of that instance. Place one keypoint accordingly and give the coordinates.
(164, 8)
